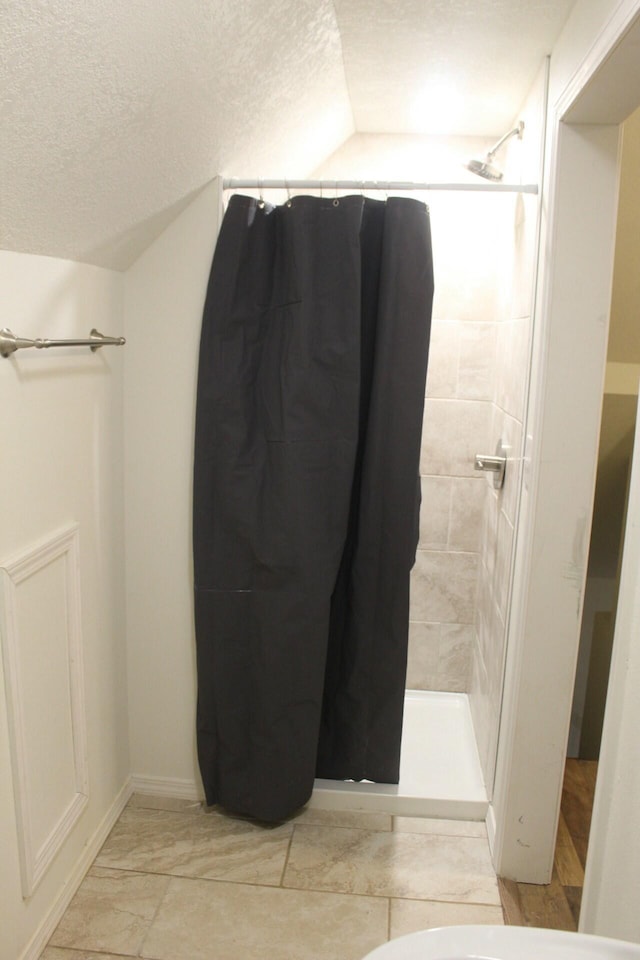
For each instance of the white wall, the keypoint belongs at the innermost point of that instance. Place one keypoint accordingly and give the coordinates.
(62, 461)
(164, 297)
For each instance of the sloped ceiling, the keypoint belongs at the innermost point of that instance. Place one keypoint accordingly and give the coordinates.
(115, 112)
(444, 66)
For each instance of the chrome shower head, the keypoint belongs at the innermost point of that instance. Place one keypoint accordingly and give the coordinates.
(486, 168)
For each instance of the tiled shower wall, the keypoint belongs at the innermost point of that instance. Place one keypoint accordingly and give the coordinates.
(456, 426)
(508, 409)
(469, 235)
(468, 231)
(475, 370)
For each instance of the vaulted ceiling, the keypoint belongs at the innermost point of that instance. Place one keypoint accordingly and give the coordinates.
(115, 112)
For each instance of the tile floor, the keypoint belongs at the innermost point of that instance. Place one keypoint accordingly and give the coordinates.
(175, 881)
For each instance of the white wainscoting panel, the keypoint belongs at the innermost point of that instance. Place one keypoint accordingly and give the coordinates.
(42, 653)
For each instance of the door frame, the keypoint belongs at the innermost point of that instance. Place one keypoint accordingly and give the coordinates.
(571, 314)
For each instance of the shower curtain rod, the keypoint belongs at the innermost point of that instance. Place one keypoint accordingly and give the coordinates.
(388, 186)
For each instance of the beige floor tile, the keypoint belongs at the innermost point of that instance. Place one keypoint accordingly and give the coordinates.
(412, 865)
(61, 953)
(203, 920)
(407, 916)
(207, 845)
(442, 828)
(111, 911)
(344, 818)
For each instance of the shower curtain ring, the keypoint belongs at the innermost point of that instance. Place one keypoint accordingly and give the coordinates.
(286, 184)
(260, 192)
(336, 202)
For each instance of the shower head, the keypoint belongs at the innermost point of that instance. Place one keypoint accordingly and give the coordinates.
(487, 168)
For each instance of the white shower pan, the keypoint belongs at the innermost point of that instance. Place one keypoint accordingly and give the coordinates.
(440, 773)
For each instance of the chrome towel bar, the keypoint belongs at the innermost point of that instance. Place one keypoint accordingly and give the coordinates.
(9, 343)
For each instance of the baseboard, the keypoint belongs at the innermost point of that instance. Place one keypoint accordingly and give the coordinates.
(42, 935)
(166, 787)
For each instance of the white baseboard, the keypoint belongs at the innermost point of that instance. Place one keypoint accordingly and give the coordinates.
(166, 787)
(42, 935)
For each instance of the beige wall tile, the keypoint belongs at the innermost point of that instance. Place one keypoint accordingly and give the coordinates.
(423, 654)
(502, 571)
(111, 912)
(489, 539)
(485, 703)
(469, 255)
(467, 503)
(524, 256)
(453, 432)
(443, 587)
(455, 653)
(476, 366)
(208, 920)
(434, 512)
(482, 719)
(444, 351)
(409, 916)
(484, 612)
(511, 432)
(492, 649)
(512, 366)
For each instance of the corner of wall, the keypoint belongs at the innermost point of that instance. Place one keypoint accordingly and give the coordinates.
(164, 297)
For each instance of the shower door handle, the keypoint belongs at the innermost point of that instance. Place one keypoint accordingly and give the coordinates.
(496, 464)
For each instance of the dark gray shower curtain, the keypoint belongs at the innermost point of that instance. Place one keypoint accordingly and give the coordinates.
(311, 384)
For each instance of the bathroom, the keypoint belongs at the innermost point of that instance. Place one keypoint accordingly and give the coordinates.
(109, 457)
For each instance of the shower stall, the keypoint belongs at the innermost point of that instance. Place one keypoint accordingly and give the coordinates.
(484, 248)
(476, 394)
(460, 586)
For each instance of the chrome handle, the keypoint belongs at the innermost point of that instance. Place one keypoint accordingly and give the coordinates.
(496, 464)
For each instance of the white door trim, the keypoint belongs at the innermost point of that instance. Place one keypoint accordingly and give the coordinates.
(570, 341)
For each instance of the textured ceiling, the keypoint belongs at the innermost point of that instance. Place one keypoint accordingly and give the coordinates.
(444, 66)
(114, 112)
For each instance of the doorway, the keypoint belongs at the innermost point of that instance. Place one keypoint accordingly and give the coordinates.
(589, 100)
(617, 428)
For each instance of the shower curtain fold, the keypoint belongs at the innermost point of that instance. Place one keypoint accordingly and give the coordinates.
(306, 494)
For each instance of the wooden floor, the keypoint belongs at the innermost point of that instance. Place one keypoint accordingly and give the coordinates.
(557, 905)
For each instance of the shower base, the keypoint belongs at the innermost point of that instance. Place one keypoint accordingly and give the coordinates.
(440, 774)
